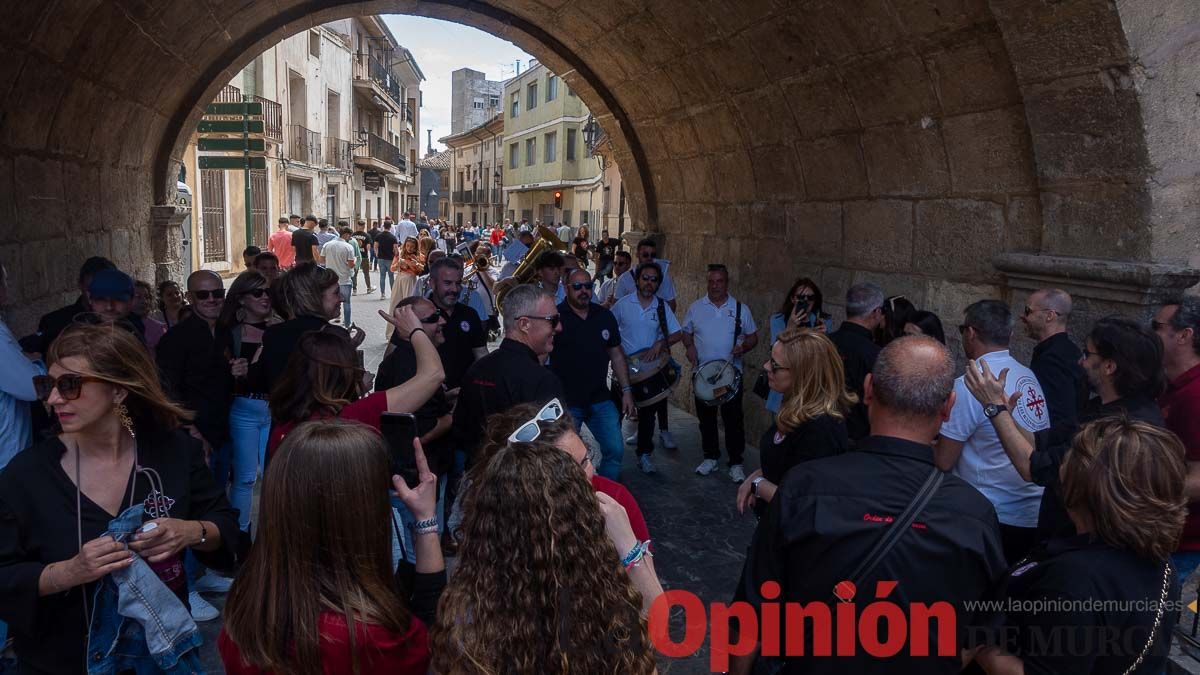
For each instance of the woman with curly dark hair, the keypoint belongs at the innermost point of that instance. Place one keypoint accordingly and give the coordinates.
(548, 575)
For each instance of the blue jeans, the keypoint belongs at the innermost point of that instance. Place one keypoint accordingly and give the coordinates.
(604, 421)
(403, 523)
(249, 426)
(385, 268)
(344, 289)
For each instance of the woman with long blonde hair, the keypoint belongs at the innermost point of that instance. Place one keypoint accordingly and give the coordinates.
(544, 582)
(807, 371)
(408, 264)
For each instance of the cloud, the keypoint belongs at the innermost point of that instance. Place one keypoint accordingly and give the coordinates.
(442, 47)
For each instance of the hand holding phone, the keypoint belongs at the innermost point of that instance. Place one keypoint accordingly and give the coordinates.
(399, 431)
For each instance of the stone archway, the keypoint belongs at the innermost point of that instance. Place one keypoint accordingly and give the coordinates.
(903, 141)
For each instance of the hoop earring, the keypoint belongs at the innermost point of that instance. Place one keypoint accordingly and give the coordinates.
(125, 419)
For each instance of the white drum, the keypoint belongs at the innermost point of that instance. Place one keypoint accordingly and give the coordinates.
(715, 382)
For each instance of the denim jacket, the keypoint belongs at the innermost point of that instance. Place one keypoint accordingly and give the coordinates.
(138, 624)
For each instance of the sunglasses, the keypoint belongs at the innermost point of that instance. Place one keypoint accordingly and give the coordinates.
(580, 285)
(69, 386)
(717, 267)
(653, 280)
(552, 319)
(804, 297)
(1030, 310)
(530, 431)
(254, 293)
(215, 294)
(776, 366)
(435, 317)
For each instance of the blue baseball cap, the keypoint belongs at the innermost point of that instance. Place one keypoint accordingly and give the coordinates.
(112, 284)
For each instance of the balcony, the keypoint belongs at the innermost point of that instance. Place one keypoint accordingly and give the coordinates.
(304, 145)
(461, 197)
(380, 155)
(377, 85)
(338, 153)
(229, 94)
(272, 118)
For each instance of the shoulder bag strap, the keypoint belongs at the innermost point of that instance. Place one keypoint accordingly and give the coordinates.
(737, 323)
(662, 317)
(891, 536)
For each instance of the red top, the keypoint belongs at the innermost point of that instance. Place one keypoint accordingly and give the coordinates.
(1181, 410)
(367, 410)
(618, 492)
(280, 243)
(497, 235)
(379, 650)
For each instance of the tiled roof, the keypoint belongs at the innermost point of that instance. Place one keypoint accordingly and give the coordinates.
(438, 162)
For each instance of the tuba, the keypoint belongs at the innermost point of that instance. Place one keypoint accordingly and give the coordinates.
(547, 240)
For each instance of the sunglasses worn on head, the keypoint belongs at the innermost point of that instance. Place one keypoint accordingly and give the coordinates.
(530, 431)
(580, 285)
(216, 294)
(69, 385)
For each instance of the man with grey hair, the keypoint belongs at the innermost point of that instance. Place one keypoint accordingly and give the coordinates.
(1055, 359)
(969, 444)
(834, 510)
(513, 373)
(855, 342)
(1177, 324)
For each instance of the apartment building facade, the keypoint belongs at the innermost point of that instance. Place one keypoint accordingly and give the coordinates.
(477, 173)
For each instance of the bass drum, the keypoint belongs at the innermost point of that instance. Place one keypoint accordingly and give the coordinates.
(652, 381)
(716, 382)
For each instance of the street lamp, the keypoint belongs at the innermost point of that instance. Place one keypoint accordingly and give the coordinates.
(591, 133)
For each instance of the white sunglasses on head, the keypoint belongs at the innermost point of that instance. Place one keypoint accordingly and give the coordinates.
(530, 431)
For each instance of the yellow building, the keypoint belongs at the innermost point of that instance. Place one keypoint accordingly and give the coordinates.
(544, 152)
(476, 173)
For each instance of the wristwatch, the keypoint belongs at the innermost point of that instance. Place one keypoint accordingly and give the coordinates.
(754, 485)
(991, 410)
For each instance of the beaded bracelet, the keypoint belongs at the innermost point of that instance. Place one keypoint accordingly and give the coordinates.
(636, 554)
(427, 523)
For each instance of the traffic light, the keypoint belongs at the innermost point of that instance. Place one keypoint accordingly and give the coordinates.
(557, 199)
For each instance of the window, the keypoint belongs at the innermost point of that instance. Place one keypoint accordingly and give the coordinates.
(583, 217)
(531, 152)
(570, 145)
(514, 151)
(477, 104)
(551, 88)
(314, 44)
(566, 217)
(494, 102)
(531, 98)
(569, 92)
(551, 147)
(516, 104)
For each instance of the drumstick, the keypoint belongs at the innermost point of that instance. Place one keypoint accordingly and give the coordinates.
(714, 378)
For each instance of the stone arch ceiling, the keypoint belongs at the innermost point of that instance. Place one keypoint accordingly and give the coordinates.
(906, 140)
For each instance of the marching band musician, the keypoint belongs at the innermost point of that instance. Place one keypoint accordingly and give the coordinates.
(620, 265)
(719, 328)
(548, 271)
(647, 325)
(467, 295)
(589, 340)
(626, 284)
(514, 253)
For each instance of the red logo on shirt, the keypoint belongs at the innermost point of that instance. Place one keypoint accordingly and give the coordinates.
(1035, 402)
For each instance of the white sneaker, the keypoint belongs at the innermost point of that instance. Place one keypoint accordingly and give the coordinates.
(645, 463)
(706, 467)
(212, 583)
(632, 439)
(736, 472)
(667, 441)
(201, 609)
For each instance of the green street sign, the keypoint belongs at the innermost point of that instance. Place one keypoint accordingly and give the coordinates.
(232, 144)
(232, 163)
(233, 109)
(229, 126)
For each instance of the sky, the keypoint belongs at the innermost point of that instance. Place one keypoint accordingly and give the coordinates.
(442, 47)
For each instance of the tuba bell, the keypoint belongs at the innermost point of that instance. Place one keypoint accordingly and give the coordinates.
(547, 241)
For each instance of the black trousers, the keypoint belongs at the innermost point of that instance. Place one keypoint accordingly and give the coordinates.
(645, 428)
(735, 430)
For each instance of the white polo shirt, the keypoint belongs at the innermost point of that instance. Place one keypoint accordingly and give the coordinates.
(639, 327)
(626, 285)
(712, 328)
(983, 462)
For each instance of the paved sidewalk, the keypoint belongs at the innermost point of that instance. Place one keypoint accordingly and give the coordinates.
(699, 538)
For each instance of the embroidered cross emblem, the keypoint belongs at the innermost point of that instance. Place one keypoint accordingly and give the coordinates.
(1035, 402)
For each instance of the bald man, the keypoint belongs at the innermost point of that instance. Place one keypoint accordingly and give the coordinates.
(1055, 360)
(950, 552)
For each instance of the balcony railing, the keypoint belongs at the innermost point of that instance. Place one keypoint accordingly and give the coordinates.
(229, 94)
(379, 149)
(304, 145)
(337, 153)
(369, 67)
(462, 197)
(272, 118)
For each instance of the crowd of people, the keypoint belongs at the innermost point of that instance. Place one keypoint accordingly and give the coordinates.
(132, 482)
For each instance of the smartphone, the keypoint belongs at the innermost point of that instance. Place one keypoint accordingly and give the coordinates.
(399, 431)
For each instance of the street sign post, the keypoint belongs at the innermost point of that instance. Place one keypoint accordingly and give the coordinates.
(232, 163)
(251, 108)
(230, 126)
(246, 162)
(232, 144)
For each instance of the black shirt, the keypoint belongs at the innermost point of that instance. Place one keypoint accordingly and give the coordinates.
(1051, 446)
(829, 513)
(278, 343)
(606, 249)
(858, 351)
(464, 333)
(1055, 363)
(387, 245)
(819, 437)
(303, 241)
(194, 365)
(1083, 572)
(38, 527)
(52, 324)
(363, 239)
(399, 367)
(506, 377)
(580, 357)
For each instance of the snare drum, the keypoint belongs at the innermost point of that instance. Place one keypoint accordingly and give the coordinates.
(716, 382)
(652, 381)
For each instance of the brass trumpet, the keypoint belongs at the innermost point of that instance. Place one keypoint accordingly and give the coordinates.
(547, 241)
